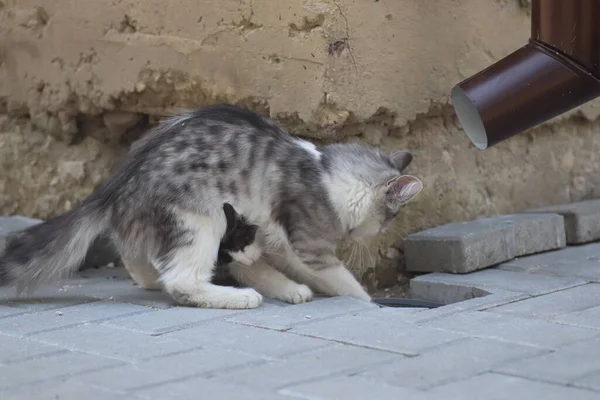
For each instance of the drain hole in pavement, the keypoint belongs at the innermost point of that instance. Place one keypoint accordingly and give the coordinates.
(406, 303)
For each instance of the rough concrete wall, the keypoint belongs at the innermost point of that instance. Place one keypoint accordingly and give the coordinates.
(79, 80)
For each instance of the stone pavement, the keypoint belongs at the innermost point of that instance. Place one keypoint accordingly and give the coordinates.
(530, 330)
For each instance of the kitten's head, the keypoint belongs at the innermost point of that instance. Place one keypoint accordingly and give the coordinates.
(382, 190)
(238, 243)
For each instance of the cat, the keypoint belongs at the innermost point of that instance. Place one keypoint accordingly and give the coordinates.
(163, 208)
(237, 244)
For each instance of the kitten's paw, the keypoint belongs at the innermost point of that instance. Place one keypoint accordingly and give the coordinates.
(245, 299)
(248, 256)
(296, 294)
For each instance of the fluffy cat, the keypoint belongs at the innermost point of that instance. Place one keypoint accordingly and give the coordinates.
(237, 244)
(163, 208)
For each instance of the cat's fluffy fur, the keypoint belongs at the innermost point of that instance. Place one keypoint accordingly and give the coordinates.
(163, 208)
(237, 244)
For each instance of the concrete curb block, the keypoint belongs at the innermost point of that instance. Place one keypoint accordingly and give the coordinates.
(581, 220)
(464, 247)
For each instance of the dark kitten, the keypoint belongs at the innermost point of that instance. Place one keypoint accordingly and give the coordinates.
(238, 242)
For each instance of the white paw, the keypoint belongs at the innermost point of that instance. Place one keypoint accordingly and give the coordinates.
(253, 252)
(296, 294)
(248, 256)
(244, 299)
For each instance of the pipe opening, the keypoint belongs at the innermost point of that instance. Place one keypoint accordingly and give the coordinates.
(469, 118)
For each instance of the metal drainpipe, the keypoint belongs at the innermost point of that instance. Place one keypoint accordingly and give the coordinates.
(558, 70)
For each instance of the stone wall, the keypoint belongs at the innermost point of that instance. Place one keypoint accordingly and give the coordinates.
(80, 80)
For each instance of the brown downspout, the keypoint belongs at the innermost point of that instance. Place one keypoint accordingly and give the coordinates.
(558, 70)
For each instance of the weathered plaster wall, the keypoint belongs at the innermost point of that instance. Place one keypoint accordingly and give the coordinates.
(79, 80)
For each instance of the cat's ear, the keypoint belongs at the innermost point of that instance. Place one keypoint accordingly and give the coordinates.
(401, 189)
(401, 159)
(230, 215)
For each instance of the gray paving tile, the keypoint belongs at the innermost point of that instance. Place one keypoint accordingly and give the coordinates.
(164, 369)
(460, 247)
(477, 304)
(571, 254)
(582, 219)
(64, 391)
(287, 317)
(565, 365)
(306, 366)
(8, 311)
(556, 303)
(53, 319)
(13, 349)
(382, 329)
(589, 318)
(201, 388)
(429, 286)
(110, 342)
(168, 320)
(492, 386)
(52, 367)
(350, 388)
(510, 328)
(590, 381)
(454, 361)
(248, 339)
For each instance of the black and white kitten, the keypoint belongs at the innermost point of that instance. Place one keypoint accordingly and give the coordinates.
(238, 243)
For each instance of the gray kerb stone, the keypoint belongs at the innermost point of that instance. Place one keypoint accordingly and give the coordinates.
(582, 220)
(464, 247)
(102, 251)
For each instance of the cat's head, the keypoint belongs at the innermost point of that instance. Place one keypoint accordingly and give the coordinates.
(239, 241)
(385, 190)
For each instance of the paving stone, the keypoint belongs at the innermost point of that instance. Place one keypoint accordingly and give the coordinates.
(64, 391)
(580, 261)
(589, 318)
(297, 368)
(498, 298)
(379, 330)
(491, 386)
(44, 368)
(535, 233)
(452, 288)
(590, 381)
(512, 328)
(9, 311)
(287, 317)
(164, 369)
(110, 342)
(564, 366)
(556, 303)
(247, 339)
(202, 388)
(112, 287)
(169, 320)
(457, 360)
(582, 220)
(350, 388)
(13, 350)
(73, 315)
(460, 247)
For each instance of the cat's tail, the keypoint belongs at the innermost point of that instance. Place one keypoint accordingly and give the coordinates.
(53, 248)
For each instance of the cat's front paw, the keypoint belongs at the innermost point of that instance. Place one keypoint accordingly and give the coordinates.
(296, 294)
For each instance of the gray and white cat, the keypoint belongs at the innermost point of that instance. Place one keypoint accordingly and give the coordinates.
(237, 244)
(163, 208)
